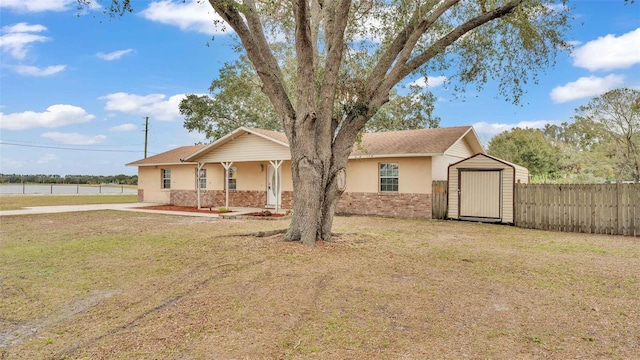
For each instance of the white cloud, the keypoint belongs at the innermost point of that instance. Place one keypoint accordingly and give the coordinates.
(154, 105)
(124, 127)
(74, 138)
(16, 38)
(9, 165)
(55, 116)
(192, 16)
(556, 7)
(37, 5)
(114, 55)
(47, 158)
(492, 129)
(36, 71)
(585, 87)
(609, 52)
(430, 81)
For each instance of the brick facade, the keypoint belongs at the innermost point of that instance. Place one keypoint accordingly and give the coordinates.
(217, 198)
(380, 204)
(386, 204)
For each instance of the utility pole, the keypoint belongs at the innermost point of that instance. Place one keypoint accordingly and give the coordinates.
(146, 134)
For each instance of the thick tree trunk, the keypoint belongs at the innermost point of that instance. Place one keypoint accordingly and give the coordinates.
(332, 193)
(318, 181)
(307, 202)
(314, 204)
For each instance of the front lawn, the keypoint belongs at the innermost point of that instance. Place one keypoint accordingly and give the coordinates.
(121, 285)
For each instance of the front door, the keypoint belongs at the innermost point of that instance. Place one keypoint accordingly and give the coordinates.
(273, 190)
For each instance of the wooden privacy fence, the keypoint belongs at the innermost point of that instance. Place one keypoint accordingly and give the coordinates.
(439, 199)
(600, 209)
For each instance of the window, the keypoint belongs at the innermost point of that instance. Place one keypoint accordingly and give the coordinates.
(389, 177)
(231, 180)
(203, 179)
(166, 178)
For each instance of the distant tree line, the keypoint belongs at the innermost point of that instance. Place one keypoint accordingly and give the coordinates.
(120, 179)
(602, 144)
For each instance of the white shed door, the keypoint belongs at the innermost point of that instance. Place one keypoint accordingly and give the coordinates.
(480, 194)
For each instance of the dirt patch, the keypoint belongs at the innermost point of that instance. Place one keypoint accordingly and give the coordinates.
(206, 210)
(16, 333)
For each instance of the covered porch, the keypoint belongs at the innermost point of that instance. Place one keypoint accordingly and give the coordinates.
(243, 169)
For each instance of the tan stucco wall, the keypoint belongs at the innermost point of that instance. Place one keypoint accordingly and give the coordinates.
(183, 177)
(250, 176)
(414, 175)
(441, 165)
(215, 176)
(149, 180)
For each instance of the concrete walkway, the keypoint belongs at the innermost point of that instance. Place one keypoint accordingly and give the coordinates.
(123, 207)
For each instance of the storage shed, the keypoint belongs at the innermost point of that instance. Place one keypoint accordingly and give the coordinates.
(482, 188)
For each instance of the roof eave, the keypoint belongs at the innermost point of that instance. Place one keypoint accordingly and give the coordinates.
(381, 156)
(164, 164)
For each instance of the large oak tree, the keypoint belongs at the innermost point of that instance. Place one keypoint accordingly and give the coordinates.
(474, 40)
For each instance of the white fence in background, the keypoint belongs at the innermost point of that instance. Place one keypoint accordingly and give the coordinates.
(66, 189)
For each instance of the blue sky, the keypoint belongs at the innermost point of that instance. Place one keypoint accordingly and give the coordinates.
(74, 90)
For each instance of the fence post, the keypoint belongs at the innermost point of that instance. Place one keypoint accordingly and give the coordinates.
(51, 191)
(619, 222)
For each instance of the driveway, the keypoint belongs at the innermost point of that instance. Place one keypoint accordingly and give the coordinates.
(135, 207)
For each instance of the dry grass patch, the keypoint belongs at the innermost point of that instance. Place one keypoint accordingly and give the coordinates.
(14, 202)
(114, 285)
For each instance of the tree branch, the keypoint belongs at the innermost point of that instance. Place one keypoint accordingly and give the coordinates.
(258, 51)
(404, 43)
(402, 70)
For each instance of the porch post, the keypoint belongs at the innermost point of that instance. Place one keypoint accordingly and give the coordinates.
(276, 165)
(227, 166)
(200, 166)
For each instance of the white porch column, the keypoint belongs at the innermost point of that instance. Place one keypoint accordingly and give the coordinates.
(200, 166)
(227, 166)
(276, 165)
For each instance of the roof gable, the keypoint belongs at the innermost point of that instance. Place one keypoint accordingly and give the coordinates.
(245, 144)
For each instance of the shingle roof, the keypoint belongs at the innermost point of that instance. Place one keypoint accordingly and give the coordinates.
(168, 157)
(276, 135)
(420, 141)
(405, 142)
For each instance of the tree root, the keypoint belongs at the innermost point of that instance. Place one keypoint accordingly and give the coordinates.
(269, 233)
(256, 234)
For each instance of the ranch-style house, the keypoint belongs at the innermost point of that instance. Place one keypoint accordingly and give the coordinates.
(388, 173)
